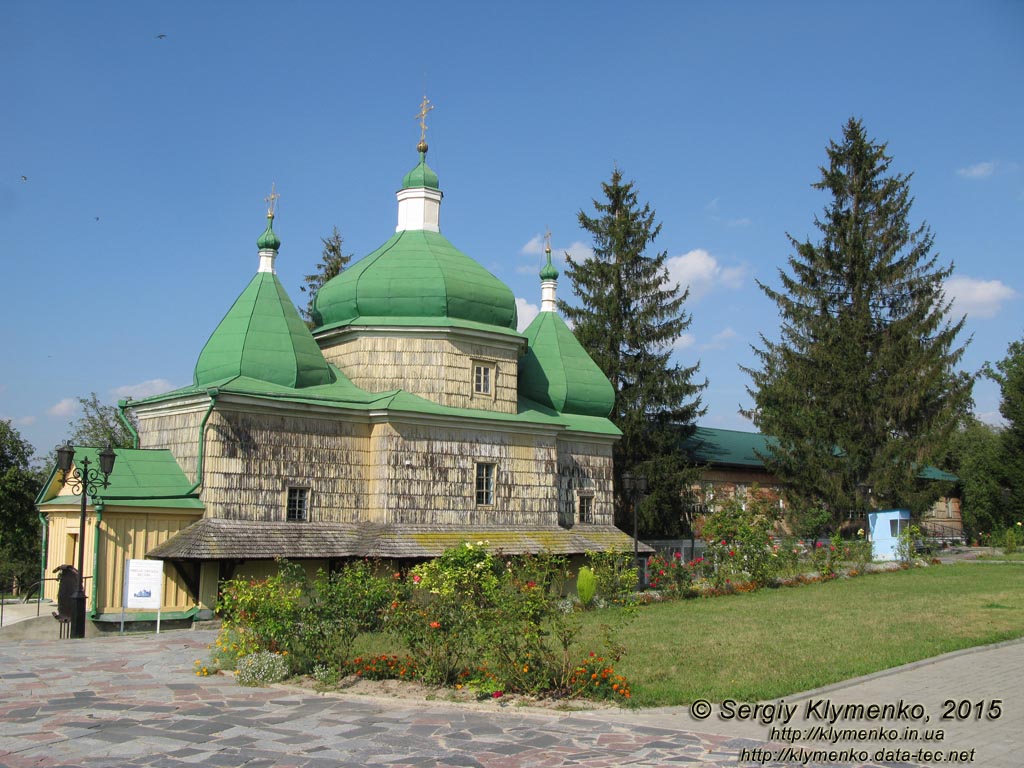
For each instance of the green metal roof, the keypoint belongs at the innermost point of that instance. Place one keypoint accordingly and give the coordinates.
(141, 478)
(557, 371)
(263, 337)
(343, 394)
(416, 274)
(708, 445)
(420, 176)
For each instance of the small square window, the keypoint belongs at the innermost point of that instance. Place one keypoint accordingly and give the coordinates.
(298, 504)
(586, 509)
(485, 483)
(483, 379)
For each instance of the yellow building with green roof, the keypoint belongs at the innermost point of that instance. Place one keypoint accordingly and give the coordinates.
(413, 417)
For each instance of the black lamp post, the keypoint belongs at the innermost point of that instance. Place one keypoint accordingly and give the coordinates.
(86, 482)
(634, 485)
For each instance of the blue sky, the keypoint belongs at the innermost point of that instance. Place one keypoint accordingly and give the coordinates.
(135, 167)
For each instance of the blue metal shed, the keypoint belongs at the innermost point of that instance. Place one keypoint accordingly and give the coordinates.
(884, 532)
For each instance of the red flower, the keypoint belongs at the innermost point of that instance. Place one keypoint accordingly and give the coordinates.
(435, 625)
(678, 555)
(416, 578)
(732, 553)
(497, 694)
(723, 542)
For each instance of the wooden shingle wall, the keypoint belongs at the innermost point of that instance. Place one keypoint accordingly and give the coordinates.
(427, 474)
(587, 467)
(252, 459)
(176, 431)
(438, 369)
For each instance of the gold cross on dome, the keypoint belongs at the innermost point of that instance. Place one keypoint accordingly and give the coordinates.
(425, 107)
(271, 199)
(547, 240)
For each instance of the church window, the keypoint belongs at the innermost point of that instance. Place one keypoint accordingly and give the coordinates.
(483, 379)
(586, 508)
(485, 483)
(298, 504)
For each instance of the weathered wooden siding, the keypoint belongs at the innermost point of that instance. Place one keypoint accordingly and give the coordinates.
(252, 459)
(178, 432)
(438, 369)
(585, 466)
(427, 474)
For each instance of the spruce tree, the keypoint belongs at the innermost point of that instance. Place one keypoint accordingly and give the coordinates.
(629, 319)
(860, 388)
(332, 262)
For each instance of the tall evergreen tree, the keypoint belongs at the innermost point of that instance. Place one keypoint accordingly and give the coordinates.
(860, 389)
(332, 262)
(1009, 373)
(629, 319)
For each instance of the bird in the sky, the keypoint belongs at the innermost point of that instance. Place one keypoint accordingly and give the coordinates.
(161, 36)
(24, 178)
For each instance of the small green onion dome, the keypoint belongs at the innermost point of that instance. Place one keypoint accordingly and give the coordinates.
(268, 241)
(422, 175)
(548, 271)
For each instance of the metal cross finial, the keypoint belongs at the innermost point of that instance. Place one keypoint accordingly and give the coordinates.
(425, 107)
(547, 240)
(271, 199)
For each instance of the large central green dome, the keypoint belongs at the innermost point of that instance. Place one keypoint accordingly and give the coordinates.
(417, 275)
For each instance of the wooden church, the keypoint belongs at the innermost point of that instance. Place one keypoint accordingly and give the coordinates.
(412, 418)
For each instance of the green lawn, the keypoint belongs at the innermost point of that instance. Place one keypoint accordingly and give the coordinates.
(776, 642)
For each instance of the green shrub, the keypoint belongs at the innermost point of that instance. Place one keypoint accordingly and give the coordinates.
(616, 573)
(586, 586)
(261, 668)
(1010, 541)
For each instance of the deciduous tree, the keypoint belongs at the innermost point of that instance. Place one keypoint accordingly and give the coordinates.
(99, 425)
(19, 521)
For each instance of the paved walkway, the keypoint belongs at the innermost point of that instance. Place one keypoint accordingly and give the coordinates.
(134, 701)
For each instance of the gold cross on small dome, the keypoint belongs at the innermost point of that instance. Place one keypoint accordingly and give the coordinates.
(425, 107)
(271, 199)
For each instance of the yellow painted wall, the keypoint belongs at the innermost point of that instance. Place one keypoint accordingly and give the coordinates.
(126, 533)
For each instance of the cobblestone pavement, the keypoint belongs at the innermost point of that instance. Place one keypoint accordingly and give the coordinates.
(134, 701)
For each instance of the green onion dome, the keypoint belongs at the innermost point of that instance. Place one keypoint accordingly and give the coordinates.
(548, 271)
(268, 240)
(417, 277)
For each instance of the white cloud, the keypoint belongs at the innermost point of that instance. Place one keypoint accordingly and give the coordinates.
(685, 340)
(699, 271)
(24, 421)
(741, 222)
(534, 246)
(65, 407)
(526, 312)
(144, 388)
(977, 171)
(721, 339)
(978, 298)
(579, 251)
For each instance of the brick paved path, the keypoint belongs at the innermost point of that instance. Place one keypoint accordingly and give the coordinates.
(134, 701)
